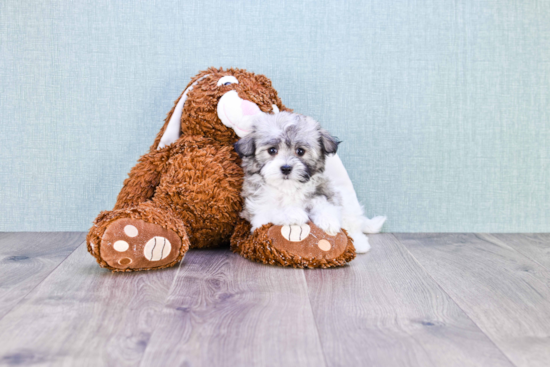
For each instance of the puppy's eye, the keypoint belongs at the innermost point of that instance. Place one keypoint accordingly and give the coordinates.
(227, 80)
(300, 152)
(272, 151)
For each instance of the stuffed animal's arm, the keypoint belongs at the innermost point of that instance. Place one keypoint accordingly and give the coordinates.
(352, 209)
(142, 180)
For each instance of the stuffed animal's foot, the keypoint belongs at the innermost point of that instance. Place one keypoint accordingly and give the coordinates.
(132, 244)
(145, 237)
(305, 246)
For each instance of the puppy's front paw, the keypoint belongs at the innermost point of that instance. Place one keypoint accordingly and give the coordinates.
(328, 223)
(298, 218)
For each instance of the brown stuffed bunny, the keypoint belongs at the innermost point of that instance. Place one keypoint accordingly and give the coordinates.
(185, 193)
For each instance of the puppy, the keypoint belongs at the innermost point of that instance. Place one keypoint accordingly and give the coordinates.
(284, 163)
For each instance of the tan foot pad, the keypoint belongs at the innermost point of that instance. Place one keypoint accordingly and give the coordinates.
(308, 241)
(134, 244)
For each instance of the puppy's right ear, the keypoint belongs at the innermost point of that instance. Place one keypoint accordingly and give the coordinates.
(246, 146)
(328, 142)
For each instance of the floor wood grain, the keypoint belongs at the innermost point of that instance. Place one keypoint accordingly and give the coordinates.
(385, 310)
(82, 315)
(224, 310)
(505, 293)
(414, 300)
(535, 246)
(27, 258)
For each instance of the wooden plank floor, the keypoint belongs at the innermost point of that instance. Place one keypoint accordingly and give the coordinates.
(27, 258)
(504, 292)
(414, 300)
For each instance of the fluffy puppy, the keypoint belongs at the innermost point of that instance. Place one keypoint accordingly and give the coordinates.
(284, 183)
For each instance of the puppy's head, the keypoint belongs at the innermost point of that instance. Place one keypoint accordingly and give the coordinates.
(286, 148)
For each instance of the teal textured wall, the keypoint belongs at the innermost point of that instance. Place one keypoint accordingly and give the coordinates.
(443, 106)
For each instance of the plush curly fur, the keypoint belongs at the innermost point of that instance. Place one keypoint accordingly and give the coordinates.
(192, 186)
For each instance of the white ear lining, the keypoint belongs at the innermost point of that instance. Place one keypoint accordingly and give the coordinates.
(173, 130)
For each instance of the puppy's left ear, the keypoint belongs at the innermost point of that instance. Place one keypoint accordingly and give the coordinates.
(246, 146)
(329, 143)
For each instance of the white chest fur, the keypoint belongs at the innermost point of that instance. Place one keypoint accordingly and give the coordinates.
(288, 194)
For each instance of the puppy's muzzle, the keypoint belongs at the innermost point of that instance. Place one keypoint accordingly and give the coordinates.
(286, 169)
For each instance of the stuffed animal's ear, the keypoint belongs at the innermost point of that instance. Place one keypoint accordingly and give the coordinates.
(171, 130)
(328, 142)
(246, 146)
(167, 121)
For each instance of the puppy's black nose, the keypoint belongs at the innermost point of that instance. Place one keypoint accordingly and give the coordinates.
(286, 169)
